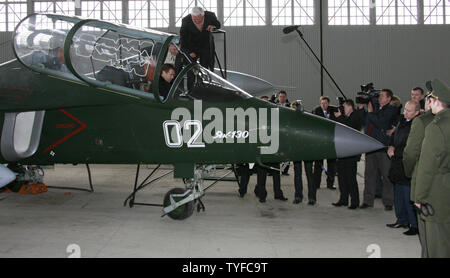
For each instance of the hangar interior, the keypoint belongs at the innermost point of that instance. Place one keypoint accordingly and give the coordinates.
(394, 44)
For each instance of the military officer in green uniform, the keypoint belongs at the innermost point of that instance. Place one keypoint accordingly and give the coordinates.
(411, 153)
(432, 188)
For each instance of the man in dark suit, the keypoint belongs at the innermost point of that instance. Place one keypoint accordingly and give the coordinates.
(347, 166)
(196, 38)
(326, 111)
(284, 102)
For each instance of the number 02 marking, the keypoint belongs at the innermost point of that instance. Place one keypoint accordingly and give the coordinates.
(178, 142)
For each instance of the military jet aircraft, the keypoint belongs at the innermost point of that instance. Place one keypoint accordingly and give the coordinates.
(87, 91)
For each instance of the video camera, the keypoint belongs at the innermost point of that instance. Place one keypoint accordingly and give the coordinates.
(274, 97)
(340, 108)
(368, 94)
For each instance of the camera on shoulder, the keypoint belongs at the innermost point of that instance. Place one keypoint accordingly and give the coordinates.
(368, 94)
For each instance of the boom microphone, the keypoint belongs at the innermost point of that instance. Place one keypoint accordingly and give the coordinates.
(289, 29)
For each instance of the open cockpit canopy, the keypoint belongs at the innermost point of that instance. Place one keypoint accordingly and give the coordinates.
(115, 57)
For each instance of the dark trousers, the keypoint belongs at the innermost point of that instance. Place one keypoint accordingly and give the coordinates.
(379, 187)
(260, 189)
(348, 186)
(377, 163)
(206, 57)
(331, 171)
(244, 176)
(298, 183)
(404, 209)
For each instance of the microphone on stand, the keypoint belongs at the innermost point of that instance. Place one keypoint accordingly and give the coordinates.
(289, 29)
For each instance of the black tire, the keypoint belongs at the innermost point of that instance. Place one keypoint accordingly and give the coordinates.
(182, 212)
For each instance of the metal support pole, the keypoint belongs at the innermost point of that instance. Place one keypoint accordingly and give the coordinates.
(318, 60)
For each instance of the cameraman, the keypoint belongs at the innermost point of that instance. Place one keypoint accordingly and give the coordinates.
(377, 121)
(348, 186)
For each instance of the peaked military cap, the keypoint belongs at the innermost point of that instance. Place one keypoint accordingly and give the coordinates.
(439, 90)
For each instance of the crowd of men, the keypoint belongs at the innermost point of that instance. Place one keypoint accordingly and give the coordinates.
(412, 174)
(413, 171)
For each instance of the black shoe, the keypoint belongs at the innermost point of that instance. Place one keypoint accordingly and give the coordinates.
(387, 208)
(311, 203)
(297, 201)
(378, 196)
(353, 207)
(285, 174)
(241, 195)
(396, 225)
(332, 187)
(262, 200)
(256, 193)
(364, 206)
(282, 198)
(411, 232)
(339, 204)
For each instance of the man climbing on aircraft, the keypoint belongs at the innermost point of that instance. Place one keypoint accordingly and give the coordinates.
(195, 36)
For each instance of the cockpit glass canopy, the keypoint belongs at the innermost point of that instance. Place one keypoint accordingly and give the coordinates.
(116, 57)
(111, 53)
(39, 41)
(201, 84)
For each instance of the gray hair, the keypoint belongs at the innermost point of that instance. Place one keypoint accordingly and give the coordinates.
(415, 103)
(197, 11)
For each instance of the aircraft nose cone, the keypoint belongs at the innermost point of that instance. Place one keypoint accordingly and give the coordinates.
(350, 142)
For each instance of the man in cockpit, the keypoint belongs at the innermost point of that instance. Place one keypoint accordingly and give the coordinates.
(165, 81)
(196, 38)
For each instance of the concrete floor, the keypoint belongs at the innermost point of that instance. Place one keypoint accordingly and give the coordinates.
(45, 225)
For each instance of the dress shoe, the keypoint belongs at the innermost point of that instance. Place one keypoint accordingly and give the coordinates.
(411, 232)
(256, 192)
(241, 195)
(285, 174)
(282, 198)
(364, 206)
(387, 208)
(311, 203)
(262, 200)
(339, 204)
(396, 225)
(332, 187)
(353, 207)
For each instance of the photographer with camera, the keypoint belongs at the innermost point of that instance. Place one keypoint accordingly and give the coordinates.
(348, 186)
(377, 120)
(326, 111)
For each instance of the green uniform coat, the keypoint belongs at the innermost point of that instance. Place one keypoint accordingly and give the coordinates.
(411, 153)
(433, 170)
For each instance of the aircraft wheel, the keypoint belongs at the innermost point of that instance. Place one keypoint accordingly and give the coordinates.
(182, 212)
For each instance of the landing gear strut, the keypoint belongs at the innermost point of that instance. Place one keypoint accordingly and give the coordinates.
(179, 203)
